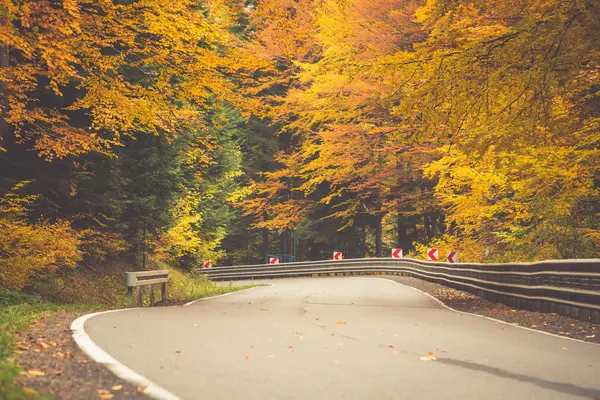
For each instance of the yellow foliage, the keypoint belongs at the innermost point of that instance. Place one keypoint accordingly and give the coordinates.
(27, 249)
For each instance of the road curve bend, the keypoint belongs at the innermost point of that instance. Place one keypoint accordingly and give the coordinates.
(342, 338)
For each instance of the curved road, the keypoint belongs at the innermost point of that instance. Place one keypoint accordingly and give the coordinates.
(342, 338)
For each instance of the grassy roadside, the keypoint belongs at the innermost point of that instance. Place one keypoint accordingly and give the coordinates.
(18, 311)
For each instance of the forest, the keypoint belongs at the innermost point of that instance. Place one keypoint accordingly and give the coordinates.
(136, 134)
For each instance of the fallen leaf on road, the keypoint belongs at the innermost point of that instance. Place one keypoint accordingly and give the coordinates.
(534, 326)
(389, 346)
(494, 323)
(564, 348)
(341, 323)
(248, 357)
(430, 353)
(177, 351)
(104, 394)
(116, 387)
(35, 372)
(332, 334)
(195, 324)
(427, 358)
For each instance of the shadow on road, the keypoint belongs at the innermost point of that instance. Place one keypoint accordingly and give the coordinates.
(556, 386)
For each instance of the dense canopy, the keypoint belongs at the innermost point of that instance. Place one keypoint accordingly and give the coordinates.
(183, 131)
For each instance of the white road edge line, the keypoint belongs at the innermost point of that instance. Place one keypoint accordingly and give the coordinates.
(489, 318)
(87, 345)
(219, 295)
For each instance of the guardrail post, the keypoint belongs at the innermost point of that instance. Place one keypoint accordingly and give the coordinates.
(575, 312)
(163, 291)
(595, 317)
(584, 315)
(151, 295)
(140, 299)
(129, 296)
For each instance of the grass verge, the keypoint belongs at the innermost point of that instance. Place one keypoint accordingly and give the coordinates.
(17, 312)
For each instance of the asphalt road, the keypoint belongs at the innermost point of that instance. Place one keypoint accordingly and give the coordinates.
(342, 338)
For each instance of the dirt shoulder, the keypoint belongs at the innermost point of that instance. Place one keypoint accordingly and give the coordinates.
(467, 302)
(53, 364)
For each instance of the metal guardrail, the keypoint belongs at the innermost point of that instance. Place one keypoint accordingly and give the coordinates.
(146, 278)
(567, 287)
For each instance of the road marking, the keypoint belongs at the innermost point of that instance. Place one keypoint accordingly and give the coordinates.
(219, 295)
(87, 345)
(488, 318)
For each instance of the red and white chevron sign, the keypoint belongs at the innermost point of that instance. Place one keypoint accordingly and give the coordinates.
(396, 253)
(274, 260)
(337, 255)
(207, 265)
(432, 254)
(453, 257)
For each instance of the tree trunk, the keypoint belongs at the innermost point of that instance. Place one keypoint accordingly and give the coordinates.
(378, 229)
(4, 62)
(265, 244)
(283, 245)
(403, 241)
(144, 250)
(433, 219)
(362, 245)
(442, 224)
(427, 226)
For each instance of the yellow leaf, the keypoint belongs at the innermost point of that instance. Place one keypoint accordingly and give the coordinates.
(104, 394)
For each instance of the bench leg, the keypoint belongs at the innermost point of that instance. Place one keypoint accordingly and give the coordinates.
(140, 300)
(129, 296)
